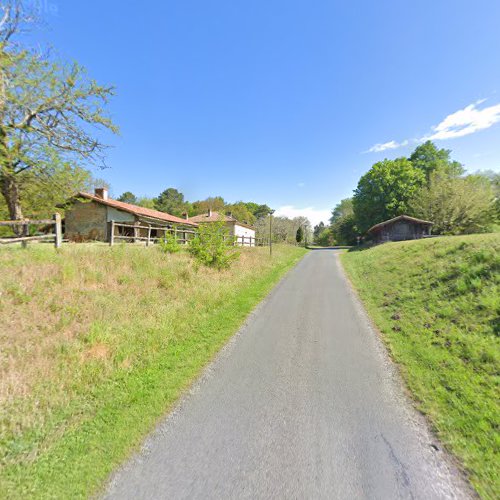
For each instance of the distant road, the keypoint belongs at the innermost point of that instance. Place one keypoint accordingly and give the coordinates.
(302, 404)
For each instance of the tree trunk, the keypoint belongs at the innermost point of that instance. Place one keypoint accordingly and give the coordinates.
(10, 191)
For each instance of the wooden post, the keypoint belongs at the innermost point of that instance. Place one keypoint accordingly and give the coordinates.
(58, 231)
(111, 233)
(149, 235)
(25, 233)
(136, 231)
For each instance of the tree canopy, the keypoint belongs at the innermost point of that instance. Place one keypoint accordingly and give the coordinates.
(385, 190)
(49, 113)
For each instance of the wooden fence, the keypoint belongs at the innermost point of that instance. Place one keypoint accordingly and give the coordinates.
(150, 234)
(24, 237)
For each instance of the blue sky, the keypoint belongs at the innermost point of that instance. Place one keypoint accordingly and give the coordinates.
(284, 102)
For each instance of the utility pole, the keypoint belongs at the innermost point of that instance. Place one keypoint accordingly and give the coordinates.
(271, 212)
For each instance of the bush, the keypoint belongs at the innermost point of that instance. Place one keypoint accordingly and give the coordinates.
(212, 246)
(169, 245)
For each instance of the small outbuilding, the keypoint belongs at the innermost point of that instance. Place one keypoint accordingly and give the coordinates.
(88, 218)
(400, 228)
(243, 233)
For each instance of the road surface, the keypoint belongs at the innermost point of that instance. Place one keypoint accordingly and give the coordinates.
(303, 403)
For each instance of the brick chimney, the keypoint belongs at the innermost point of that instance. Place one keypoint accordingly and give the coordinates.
(186, 215)
(101, 193)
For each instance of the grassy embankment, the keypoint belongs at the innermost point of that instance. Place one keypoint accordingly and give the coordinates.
(96, 345)
(437, 304)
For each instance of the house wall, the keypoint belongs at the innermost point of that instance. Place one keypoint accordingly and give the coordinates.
(86, 221)
(244, 231)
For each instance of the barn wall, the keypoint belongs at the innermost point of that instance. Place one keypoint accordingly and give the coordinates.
(86, 221)
(119, 215)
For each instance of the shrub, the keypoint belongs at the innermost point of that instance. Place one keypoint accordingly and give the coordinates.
(212, 246)
(169, 245)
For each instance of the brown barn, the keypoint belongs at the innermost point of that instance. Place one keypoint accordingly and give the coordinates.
(88, 218)
(400, 228)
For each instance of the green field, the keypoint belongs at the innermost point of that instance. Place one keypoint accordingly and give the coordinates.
(98, 343)
(437, 304)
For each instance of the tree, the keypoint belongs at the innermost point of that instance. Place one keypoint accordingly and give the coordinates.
(318, 229)
(344, 230)
(455, 205)
(128, 197)
(171, 201)
(342, 209)
(325, 238)
(257, 210)
(47, 112)
(146, 202)
(240, 211)
(428, 158)
(299, 235)
(214, 203)
(384, 191)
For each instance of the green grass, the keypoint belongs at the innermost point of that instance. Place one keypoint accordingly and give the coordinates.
(100, 343)
(437, 305)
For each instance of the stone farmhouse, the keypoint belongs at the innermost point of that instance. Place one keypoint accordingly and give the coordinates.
(89, 216)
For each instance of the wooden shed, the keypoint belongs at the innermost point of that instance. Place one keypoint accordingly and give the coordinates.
(88, 218)
(400, 228)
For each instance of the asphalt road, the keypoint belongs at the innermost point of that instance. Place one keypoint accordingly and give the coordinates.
(303, 403)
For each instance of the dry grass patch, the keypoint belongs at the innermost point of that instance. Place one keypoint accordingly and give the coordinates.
(97, 342)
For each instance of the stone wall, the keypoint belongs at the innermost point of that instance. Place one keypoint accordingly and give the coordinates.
(86, 221)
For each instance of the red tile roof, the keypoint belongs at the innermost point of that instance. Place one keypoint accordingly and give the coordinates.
(216, 217)
(136, 210)
(378, 226)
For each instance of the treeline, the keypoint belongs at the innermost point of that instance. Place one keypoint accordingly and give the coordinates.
(173, 202)
(428, 185)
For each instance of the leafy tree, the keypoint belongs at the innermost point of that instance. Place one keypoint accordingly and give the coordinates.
(456, 205)
(299, 235)
(128, 197)
(47, 112)
(325, 238)
(257, 210)
(342, 209)
(494, 179)
(318, 229)
(214, 203)
(146, 202)
(171, 201)
(344, 230)
(384, 191)
(428, 158)
(241, 212)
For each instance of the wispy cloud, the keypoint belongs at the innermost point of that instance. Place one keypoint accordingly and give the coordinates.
(463, 122)
(387, 145)
(314, 215)
(301, 184)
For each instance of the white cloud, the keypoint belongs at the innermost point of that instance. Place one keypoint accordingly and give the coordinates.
(462, 122)
(314, 215)
(465, 121)
(387, 145)
(301, 184)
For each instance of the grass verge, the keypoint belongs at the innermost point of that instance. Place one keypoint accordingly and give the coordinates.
(437, 304)
(98, 343)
